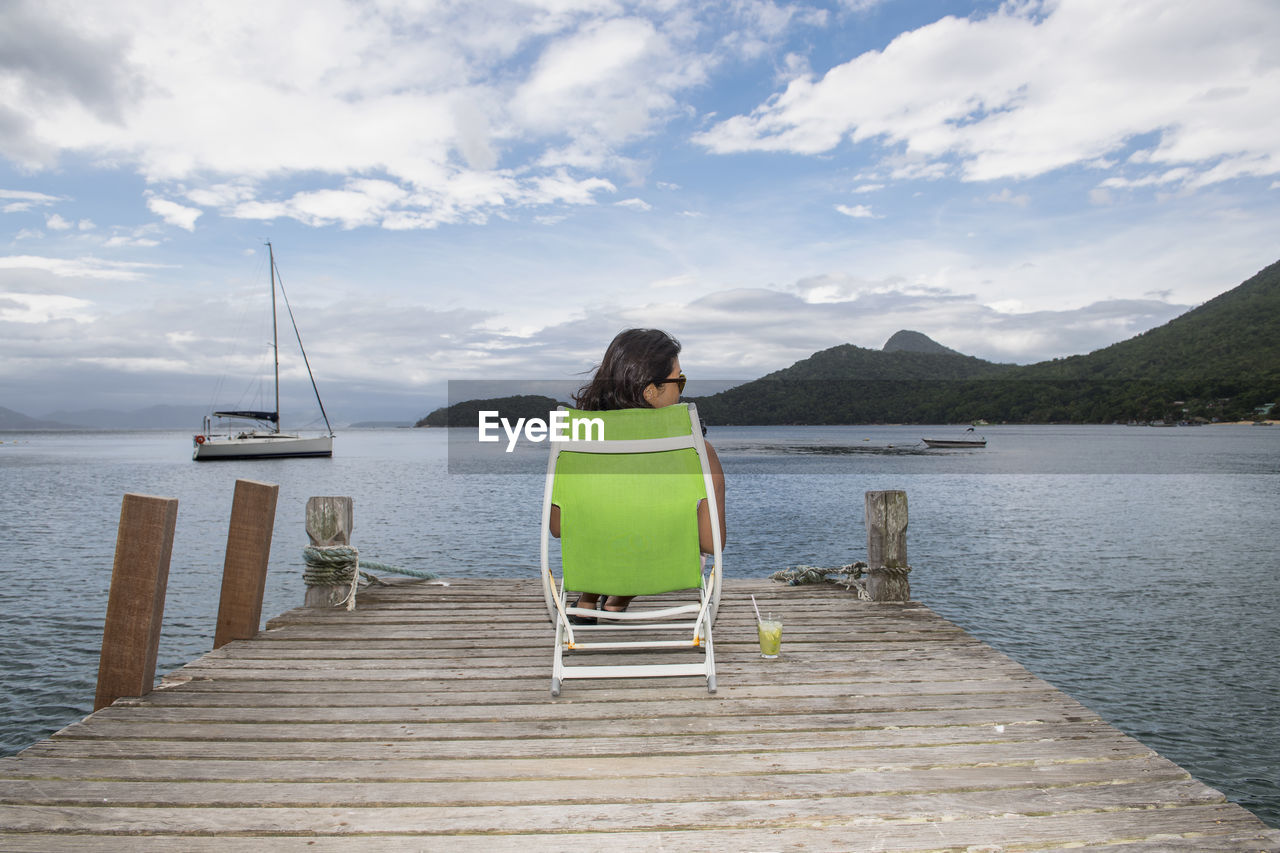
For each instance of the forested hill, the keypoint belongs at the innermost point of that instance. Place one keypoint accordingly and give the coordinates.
(851, 362)
(850, 384)
(1218, 361)
(1233, 336)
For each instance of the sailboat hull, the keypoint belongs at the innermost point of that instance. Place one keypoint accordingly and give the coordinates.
(256, 444)
(260, 446)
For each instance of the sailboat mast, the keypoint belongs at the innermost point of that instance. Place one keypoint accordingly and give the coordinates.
(275, 338)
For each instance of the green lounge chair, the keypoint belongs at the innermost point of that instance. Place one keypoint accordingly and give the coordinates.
(629, 526)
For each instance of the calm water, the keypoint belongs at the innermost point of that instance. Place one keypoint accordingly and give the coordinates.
(1136, 568)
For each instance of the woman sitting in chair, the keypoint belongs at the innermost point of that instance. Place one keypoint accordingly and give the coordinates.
(641, 369)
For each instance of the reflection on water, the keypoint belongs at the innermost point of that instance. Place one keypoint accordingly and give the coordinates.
(1137, 569)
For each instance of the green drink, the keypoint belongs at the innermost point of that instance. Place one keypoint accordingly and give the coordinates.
(770, 637)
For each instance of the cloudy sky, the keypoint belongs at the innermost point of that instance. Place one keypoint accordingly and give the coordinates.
(465, 189)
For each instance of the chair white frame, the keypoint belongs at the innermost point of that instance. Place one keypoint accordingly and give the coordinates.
(703, 612)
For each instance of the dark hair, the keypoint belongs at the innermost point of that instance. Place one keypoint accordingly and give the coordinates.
(634, 359)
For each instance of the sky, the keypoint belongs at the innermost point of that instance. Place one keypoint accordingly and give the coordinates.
(491, 189)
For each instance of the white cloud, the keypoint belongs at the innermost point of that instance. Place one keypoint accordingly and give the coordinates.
(467, 108)
(57, 223)
(123, 240)
(77, 267)
(683, 280)
(634, 204)
(174, 213)
(24, 200)
(1007, 196)
(360, 202)
(857, 211)
(1030, 89)
(429, 97)
(33, 197)
(868, 188)
(562, 187)
(41, 308)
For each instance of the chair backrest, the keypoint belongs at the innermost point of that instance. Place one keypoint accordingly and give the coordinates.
(629, 520)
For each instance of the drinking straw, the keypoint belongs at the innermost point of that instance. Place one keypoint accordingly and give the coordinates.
(753, 604)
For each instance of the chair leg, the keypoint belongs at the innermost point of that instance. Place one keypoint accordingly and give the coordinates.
(557, 660)
(711, 663)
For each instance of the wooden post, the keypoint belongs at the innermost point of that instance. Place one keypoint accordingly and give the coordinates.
(135, 605)
(244, 571)
(886, 520)
(329, 522)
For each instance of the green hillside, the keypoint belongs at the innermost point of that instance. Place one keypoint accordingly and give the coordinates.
(1231, 336)
(465, 414)
(1218, 361)
(850, 384)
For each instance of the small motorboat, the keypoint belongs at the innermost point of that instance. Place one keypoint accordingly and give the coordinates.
(966, 441)
(955, 442)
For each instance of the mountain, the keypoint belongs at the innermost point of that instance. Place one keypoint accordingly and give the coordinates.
(909, 341)
(9, 419)
(466, 414)
(152, 417)
(1236, 334)
(850, 384)
(1220, 361)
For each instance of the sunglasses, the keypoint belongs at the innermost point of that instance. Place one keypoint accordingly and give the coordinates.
(679, 380)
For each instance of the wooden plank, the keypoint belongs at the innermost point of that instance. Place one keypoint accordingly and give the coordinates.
(135, 605)
(375, 766)
(888, 814)
(244, 568)
(596, 745)
(878, 728)
(207, 694)
(1047, 831)
(374, 711)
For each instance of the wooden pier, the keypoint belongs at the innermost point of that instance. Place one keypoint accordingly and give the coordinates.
(423, 721)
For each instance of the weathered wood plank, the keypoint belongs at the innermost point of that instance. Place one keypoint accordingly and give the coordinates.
(606, 787)
(879, 728)
(208, 694)
(590, 744)
(244, 570)
(1044, 832)
(887, 813)
(374, 711)
(375, 766)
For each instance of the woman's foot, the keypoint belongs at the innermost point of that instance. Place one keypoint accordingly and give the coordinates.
(617, 603)
(587, 601)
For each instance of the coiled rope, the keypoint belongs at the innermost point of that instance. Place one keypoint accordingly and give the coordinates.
(339, 565)
(850, 576)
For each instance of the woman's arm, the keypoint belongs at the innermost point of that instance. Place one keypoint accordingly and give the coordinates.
(705, 541)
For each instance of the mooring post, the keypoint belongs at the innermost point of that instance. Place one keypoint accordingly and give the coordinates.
(244, 571)
(329, 523)
(886, 519)
(135, 605)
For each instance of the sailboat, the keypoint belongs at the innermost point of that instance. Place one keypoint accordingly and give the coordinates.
(265, 440)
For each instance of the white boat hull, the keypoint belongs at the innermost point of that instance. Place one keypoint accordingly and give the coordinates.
(955, 442)
(209, 448)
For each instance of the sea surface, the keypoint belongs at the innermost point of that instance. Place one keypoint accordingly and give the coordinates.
(1136, 568)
